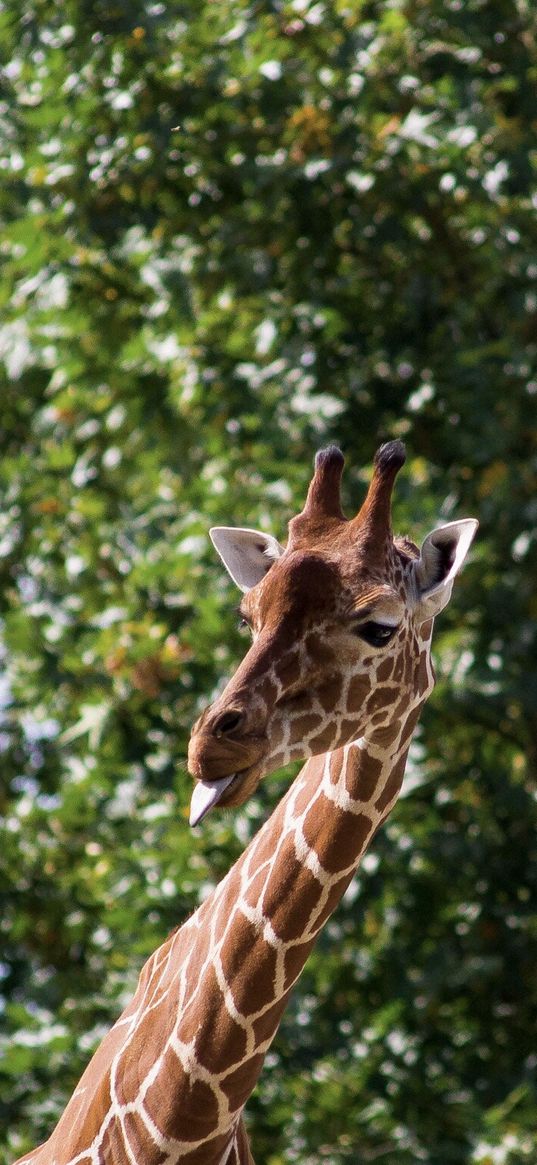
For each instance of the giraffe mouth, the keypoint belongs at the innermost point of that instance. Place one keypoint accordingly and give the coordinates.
(209, 793)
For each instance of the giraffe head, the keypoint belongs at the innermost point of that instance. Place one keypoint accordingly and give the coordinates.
(341, 620)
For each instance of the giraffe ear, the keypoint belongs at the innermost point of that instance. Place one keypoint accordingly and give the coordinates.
(246, 554)
(441, 558)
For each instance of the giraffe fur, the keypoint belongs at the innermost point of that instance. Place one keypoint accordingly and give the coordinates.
(337, 674)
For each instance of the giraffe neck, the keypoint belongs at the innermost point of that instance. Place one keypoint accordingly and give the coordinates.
(170, 1080)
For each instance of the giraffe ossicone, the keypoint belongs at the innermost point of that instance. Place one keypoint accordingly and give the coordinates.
(337, 674)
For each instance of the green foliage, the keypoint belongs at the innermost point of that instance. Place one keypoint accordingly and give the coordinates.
(231, 232)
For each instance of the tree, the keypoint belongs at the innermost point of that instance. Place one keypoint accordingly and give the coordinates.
(231, 233)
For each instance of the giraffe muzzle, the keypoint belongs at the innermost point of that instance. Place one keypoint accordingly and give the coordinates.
(225, 757)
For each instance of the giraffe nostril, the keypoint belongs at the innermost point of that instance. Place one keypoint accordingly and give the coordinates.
(228, 722)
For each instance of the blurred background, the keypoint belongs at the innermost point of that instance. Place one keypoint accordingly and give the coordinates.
(231, 233)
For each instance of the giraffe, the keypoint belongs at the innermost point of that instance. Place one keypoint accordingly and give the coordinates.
(337, 673)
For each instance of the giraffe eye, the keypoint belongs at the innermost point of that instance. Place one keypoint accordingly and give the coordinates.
(376, 634)
(242, 621)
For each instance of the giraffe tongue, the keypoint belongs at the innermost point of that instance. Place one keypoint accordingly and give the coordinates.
(205, 795)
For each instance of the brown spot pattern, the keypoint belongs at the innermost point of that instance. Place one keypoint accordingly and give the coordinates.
(335, 841)
(234, 972)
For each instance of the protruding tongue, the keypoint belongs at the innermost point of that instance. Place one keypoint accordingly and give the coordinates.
(205, 795)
